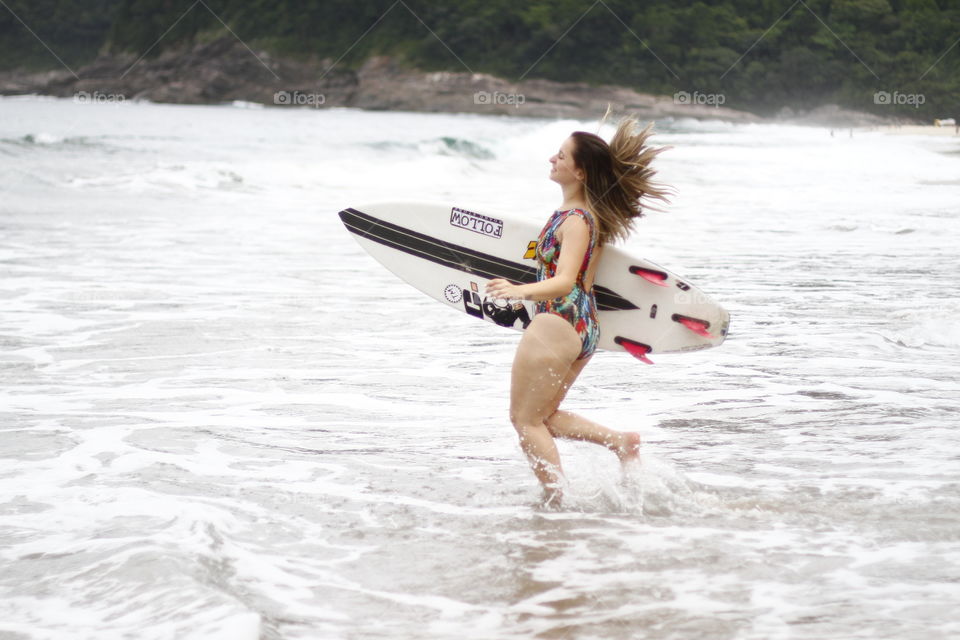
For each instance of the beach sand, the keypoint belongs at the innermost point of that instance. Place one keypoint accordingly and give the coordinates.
(915, 129)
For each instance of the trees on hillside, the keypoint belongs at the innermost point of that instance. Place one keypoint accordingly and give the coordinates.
(759, 54)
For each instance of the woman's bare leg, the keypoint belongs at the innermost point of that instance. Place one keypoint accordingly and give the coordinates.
(546, 352)
(564, 424)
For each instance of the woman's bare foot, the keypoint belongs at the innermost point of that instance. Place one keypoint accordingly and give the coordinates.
(552, 499)
(629, 448)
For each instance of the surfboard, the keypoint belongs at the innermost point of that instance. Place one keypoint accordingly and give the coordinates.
(450, 252)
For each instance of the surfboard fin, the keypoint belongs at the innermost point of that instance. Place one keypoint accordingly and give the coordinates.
(650, 275)
(637, 349)
(699, 327)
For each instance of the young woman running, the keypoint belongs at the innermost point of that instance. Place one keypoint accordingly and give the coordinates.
(602, 185)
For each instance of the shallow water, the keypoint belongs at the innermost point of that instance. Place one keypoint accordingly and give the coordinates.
(221, 419)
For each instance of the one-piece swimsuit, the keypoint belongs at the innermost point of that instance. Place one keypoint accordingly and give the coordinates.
(579, 307)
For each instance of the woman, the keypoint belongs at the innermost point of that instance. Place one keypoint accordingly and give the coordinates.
(602, 185)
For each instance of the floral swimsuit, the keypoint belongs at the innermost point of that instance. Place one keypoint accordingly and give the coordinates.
(579, 307)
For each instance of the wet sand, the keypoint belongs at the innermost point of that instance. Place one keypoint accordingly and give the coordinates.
(926, 130)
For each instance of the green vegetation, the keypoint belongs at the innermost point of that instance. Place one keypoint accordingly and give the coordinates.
(758, 54)
(73, 30)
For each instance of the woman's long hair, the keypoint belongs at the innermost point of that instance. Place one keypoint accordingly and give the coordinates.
(617, 176)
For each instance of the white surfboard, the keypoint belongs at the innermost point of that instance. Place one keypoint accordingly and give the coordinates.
(450, 252)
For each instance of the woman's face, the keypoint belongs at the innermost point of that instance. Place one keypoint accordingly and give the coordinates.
(563, 170)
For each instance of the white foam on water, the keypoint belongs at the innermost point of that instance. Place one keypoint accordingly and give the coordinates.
(222, 419)
(934, 326)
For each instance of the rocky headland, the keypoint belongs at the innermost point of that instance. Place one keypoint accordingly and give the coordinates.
(225, 71)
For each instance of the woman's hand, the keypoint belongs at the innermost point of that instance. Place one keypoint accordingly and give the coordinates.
(504, 290)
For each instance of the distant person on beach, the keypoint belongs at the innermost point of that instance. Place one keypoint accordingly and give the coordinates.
(602, 185)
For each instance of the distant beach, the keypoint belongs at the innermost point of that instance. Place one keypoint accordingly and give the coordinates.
(919, 129)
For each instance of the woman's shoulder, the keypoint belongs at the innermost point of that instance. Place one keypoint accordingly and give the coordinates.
(577, 213)
(583, 213)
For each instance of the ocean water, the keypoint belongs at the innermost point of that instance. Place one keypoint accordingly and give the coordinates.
(220, 418)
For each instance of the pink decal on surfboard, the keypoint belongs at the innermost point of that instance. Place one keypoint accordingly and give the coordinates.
(636, 349)
(650, 275)
(699, 327)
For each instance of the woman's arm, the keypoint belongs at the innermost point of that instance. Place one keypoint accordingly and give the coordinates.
(574, 237)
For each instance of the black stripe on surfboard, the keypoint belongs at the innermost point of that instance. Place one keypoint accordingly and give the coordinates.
(482, 265)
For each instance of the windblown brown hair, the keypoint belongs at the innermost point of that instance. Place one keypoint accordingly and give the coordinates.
(617, 176)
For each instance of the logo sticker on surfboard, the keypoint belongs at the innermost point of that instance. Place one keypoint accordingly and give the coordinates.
(531, 253)
(453, 293)
(484, 225)
(501, 312)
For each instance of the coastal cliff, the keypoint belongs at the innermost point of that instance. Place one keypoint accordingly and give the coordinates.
(226, 71)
